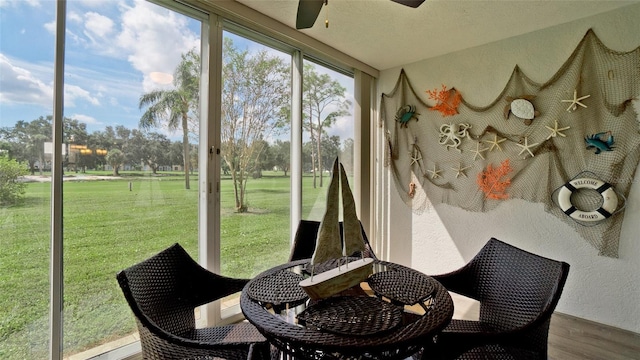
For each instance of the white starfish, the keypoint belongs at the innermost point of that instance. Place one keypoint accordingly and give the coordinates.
(555, 131)
(416, 156)
(435, 173)
(495, 142)
(460, 170)
(478, 151)
(526, 147)
(575, 101)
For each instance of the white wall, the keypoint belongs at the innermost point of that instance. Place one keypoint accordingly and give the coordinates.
(443, 238)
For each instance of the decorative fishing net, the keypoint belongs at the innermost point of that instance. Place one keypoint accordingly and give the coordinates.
(426, 170)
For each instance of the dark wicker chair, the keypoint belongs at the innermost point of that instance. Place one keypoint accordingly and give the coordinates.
(517, 290)
(304, 243)
(163, 292)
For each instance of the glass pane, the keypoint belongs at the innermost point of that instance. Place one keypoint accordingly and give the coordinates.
(255, 182)
(26, 100)
(327, 133)
(132, 70)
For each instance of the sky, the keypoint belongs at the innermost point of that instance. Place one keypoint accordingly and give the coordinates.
(112, 49)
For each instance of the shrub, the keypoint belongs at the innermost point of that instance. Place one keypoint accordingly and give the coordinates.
(11, 190)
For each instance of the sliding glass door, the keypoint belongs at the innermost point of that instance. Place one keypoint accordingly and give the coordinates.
(130, 132)
(144, 87)
(255, 154)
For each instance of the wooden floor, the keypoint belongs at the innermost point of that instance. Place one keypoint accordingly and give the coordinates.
(572, 338)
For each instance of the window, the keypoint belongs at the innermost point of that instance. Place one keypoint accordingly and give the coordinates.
(25, 127)
(328, 132)
(137, 168)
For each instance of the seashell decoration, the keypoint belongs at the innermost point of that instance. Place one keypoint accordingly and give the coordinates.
(523, 109)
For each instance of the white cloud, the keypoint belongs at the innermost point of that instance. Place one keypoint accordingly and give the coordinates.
(154, 38)
(50, 27)
(74, 17)
(104, 82)
(21, 86)
(74, 92)
(85, 119)
(343, 127)
(94, 4)
(149, 37)
(22, 83)
(7, 3)
(97, 25)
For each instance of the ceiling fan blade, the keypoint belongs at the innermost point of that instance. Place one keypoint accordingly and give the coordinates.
(410, 3)
(308, 11)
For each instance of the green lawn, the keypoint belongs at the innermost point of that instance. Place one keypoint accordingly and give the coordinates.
(107, 228)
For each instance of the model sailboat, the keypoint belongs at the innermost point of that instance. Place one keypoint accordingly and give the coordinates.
(330, 245)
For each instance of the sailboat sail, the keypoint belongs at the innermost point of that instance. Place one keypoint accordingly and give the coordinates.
(328, 243)
(352, 234)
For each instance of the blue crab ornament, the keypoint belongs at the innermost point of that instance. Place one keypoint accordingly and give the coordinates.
(596, 141)
(406, 113)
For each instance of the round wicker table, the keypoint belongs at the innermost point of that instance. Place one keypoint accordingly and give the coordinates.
(394, 313)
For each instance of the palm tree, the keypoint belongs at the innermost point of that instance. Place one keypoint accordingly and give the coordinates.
(173, 107)
(321, 94)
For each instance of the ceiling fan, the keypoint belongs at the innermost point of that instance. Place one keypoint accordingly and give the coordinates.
(308, 10)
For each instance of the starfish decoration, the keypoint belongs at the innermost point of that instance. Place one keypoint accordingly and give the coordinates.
(575, 101)
(555, 131)
(435, 173)
(478, 151)
(526, 147)
(416, 156)
(495, 142)
(460, 170)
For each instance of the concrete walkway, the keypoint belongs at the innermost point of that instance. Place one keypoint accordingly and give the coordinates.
(74, 177)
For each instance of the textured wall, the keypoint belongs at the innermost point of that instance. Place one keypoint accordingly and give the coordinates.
(443, 238)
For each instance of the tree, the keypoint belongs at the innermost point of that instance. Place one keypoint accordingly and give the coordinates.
(99, 141)
(308, 149)
(323, 102)
(75, 134)
(11, 190)
(262, 161)
(346, 154)
(173, 108)
(281, 152)
(175, 154)
(26, 141)
(150, 149)
(194, 160)
(108, 139)
(115, 158)
(330, 150)
(255, 90)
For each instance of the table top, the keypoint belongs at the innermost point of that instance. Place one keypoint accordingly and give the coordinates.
(391, 315)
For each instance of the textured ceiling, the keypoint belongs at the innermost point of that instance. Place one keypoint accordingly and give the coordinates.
(384, 34)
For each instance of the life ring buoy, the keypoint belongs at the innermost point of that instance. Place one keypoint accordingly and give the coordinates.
(609, 199)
